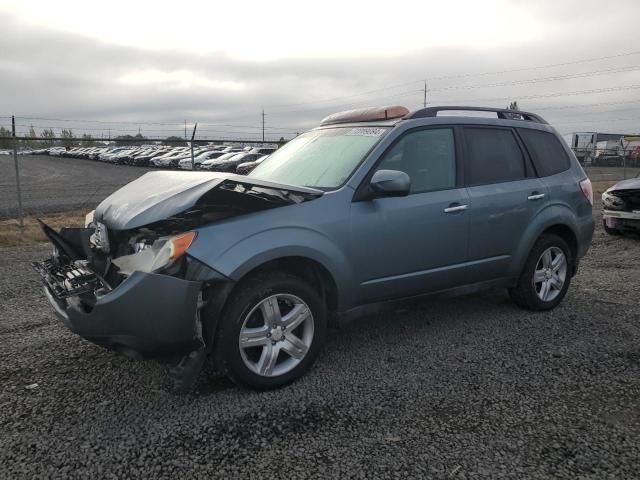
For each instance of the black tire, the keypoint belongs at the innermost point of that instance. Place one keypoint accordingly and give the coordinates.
(524, 294)
(247, 295)
(609, 230)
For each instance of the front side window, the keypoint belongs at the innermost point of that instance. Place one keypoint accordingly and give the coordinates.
(492, 155)
(427, 156)
(322, 159)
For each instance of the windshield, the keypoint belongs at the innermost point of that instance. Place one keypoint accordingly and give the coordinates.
(320, 158)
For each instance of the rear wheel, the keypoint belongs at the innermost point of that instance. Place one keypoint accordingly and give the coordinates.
(271, 331)
(546, 276)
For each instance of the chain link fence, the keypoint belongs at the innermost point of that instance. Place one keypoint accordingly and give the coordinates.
(51, 185)
(58, 184)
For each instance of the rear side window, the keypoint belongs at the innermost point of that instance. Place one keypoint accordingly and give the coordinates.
(492, 156)
(546, 151)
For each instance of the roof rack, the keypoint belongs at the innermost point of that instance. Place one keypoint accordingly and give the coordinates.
(502, 113)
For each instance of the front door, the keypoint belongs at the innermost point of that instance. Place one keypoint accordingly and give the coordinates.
(403, 246)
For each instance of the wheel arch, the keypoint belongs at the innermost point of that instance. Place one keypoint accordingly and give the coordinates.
(309, 269)
(563, 231)
(557, 220)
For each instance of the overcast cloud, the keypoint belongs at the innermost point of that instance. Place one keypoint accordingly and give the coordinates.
(301, 63)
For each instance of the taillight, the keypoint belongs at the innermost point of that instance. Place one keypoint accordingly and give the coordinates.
(587, 190)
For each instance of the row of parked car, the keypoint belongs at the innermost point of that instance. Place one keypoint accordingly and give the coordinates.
(219, 158)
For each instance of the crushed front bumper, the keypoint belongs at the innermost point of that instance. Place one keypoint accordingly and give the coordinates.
(622, 220)
(147, 315)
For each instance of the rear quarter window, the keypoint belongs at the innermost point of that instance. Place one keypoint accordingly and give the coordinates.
(546, 151)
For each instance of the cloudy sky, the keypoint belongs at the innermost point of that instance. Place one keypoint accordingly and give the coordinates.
(122, 67)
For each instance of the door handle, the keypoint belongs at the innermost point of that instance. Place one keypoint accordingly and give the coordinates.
(455, 208)
(535, 196)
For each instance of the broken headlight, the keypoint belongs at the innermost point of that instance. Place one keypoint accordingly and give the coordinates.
(609, 200)
(159, 254)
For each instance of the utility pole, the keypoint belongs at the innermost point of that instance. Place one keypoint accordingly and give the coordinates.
(425, 94)
(185, 129)
(263, 124)
(15, 162)
(109, 135)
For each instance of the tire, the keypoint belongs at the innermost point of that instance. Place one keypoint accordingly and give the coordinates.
(533, 295)
(243, 320)
(609, 230)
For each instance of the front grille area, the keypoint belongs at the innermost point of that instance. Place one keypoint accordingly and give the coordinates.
(66, 280)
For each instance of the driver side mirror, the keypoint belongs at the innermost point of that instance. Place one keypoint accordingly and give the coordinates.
(390, 183)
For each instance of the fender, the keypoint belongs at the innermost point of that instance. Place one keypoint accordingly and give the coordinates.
(252, 251)
(555, 214)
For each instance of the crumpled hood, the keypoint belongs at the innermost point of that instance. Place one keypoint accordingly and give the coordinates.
(629, 184)
(157, 196)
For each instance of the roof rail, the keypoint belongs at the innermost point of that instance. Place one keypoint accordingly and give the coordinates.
(502, 113)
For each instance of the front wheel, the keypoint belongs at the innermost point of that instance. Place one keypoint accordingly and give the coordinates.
(546, 276)
(272, 330)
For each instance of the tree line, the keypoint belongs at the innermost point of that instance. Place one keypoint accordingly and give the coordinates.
(46, 139)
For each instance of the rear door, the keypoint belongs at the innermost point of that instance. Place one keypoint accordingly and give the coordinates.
(505, 195)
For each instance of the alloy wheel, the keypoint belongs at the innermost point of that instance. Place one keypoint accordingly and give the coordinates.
(276, 335)
(550, 274)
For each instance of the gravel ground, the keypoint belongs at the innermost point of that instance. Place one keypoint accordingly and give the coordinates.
(464, 388)
(56, 184)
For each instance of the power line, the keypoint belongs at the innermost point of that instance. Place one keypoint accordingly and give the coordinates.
(581, 105)
(137, 124)
(517, 82)
(538, 67)
(571, 122)
(555, 94)
(466, 75)
(597, 112)
(111, 122)
(540, 79)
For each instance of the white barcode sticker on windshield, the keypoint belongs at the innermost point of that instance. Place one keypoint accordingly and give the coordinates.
(367, 131)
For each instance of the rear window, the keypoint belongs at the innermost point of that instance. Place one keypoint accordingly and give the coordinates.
(492, 156)
(546, 151)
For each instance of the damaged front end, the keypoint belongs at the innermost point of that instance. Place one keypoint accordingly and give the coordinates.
(127, 282)
(145, 312)
(621, 206)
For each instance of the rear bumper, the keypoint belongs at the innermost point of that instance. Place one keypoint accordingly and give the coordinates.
(147, 315)
(586, 227)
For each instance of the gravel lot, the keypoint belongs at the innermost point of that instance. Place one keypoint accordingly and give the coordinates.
(465, 388)
(56, 184)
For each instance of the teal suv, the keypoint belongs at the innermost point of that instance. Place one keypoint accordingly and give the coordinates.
(373, 205)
